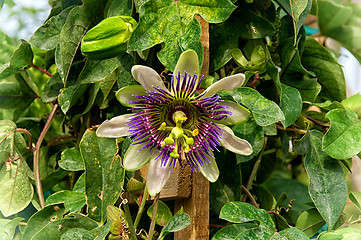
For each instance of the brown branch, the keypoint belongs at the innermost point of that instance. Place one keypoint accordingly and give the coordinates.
(253, 201)
(317, 121)
(255, 169)
(42, 70)
(52, 142)
(24, 131)
(39, 188)
(154, 215)
(291, 129)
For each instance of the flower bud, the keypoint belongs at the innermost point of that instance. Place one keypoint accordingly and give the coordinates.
(109, 38)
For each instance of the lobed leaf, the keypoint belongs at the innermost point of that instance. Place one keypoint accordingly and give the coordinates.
(173, 23)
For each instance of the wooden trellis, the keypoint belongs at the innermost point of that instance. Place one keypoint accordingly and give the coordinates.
(188, 189)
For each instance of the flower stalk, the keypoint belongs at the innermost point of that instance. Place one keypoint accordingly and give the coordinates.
(141, 209)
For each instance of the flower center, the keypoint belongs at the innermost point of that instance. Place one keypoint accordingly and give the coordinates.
(181, 137)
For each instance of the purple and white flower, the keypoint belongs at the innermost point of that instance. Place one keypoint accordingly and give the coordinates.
(171, 125)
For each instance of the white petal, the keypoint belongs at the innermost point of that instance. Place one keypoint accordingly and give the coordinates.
(227, 83)
(147, 77)
(126, 94)
(239, 113)
(234, 143)
(135, 159)
(210, 170)
(188, 61)
(115, 127)
(157, 176)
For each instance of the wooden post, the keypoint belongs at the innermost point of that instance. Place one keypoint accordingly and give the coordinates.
(197, 206)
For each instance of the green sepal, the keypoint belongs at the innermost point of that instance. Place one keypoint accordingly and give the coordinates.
(126, 94)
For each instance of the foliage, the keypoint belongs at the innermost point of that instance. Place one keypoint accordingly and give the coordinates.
(302, 129)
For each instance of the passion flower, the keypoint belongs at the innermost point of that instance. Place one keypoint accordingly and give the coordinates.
(170, 125)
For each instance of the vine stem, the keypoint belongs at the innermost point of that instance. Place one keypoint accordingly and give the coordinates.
(39, 188)
(152, 224)
(253, 201)
(254, 170)
(141, 208)
(42, 70)
(24, 131)
(128, 216)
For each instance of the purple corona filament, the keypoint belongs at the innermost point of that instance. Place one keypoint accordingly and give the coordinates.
(178, 123)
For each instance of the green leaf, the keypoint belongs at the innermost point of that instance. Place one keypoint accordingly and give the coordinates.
(73, 201)
(78, 234)
(173, 24)
(355, 197)
(70, 95)
(310, 222)
(308, 87)
(295, 8)
(224, 37)
(77, 23)
(220, 194)
(79, 186)
(327, 187)
(270, 130)
(7, 228)
(52, 88)
(292, 234)
(15, 186)
(104, 174)
(20, 60)
(40, 219)
(120, 8)
(124, 70)
(240, 212)
(353, 103)
(163, 214)
(97, 70)
(264, 197)
(102, 231)
(116, 216)
(343, 138)
(335, 21)
(233, 231)
(10, 142)
(71, 160)
(47, 36)
(55, 225)
(254, 134)
(243, 231)
(348, 233)
(291, 104)
(257, 61)
(264, 111)
(289, 190)
(319, 60)
(176, 223)
(15, 94)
